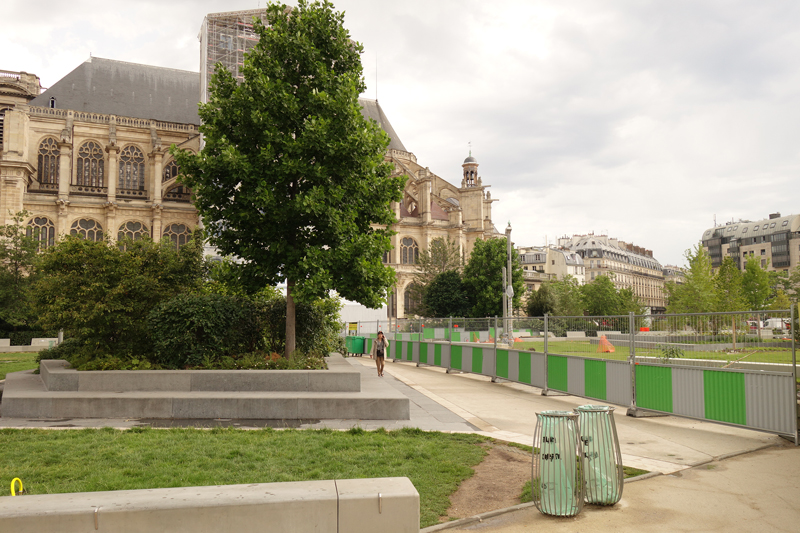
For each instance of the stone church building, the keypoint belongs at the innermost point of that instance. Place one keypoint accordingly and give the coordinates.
(89, 156)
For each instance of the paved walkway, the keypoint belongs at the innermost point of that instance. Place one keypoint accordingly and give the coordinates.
(714, 478)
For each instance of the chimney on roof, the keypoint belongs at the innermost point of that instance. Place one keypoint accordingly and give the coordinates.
(774, 215)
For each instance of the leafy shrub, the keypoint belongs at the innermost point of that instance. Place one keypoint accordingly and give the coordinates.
(200, 329)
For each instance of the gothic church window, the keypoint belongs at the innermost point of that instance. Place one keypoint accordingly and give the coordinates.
(90, 165)
(43, 232)
(171, 170)
(132, 230)
(87, 228)
(131, 169)
(48, 161)
(409, 251)
(179, 234)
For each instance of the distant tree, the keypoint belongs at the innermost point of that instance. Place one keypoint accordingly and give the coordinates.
(542, 301)
(779, 302)
(756, 285)
(447, 296)
(698, 293)
(292, 178)
(601, 297)
(483, 275)
(17, 273)
(728, 287)
(569, 298)
(442, 255)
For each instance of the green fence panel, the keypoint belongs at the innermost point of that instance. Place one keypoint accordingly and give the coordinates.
(437, 355)
(398, 350)
(456, 336)
(423, 352)
(428, 333)
(502, 363)
(724, 396)
(525, 367)
(557, 373)
(368, 345)
(410, 351)
(654, 388)
(595, 376)
(477, 360)
(455, 357)
(415, 336)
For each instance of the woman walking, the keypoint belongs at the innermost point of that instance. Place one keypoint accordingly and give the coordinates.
(379, 349)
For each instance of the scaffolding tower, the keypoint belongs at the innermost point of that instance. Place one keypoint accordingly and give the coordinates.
(226, 38)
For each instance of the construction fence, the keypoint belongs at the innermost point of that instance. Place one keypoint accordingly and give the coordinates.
(732, 368)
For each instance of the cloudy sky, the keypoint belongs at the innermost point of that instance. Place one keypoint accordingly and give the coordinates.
(643, 120)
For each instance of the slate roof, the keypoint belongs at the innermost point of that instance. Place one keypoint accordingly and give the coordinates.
(143, 91)
(128, 90)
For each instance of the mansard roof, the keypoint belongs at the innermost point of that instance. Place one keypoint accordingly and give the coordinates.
(143, 91)
(127, 89)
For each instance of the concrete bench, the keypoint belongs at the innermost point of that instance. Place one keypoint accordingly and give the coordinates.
(388, 505)
(576, 334)
(5, 342)
(43, 341)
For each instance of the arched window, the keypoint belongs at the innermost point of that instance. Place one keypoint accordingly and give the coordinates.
(178, 193)
(43, 232)
(87, 228)
(91, 165)
(386, 257)
(132, 230)
(410, 299)
(131, 169)
(409, 251)
(179, 234)
(171, 170)
(48, 161)
(2, 119)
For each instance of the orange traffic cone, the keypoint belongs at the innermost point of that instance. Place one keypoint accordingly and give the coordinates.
(604, 346)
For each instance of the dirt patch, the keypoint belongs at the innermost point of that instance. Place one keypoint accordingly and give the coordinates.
(497, 483)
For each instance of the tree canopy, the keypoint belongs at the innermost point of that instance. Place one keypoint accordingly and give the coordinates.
(447, 296)
(292, 177)
(483, 276)
(443, 255)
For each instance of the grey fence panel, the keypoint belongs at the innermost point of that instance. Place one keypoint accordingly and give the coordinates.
(513, 365)
(415, 352)
(767, 404)
(488, 361)
(538, 376)
(576, 376)
(445, 356)
(484, 336)
(618, 383)
(466, 358)
(406, 336)
(688, 392)
(438, 333)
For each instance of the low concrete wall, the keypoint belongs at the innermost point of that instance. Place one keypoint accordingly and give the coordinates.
(387, 505)
(57, 376)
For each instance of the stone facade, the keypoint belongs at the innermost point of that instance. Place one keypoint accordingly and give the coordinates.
(83, 169)
(433, 207)
(547, 263)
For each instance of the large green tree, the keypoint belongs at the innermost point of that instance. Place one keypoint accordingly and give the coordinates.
(443, 255)
(728, 286)
(447, 296)
(756, 285)
(292, 177)
(17, 261)
(483, 276)
(698, 293)
(541, 301)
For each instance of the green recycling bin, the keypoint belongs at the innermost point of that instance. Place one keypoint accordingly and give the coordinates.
(354, 344)
(556, 482)
(601, 462)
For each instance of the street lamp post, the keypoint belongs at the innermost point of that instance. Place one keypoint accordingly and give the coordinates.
(508, 290)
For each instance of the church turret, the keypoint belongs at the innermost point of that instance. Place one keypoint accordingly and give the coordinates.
(471, 178)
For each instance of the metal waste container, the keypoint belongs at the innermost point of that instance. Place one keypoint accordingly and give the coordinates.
(601, 461)
(556, 483)
(354, 344)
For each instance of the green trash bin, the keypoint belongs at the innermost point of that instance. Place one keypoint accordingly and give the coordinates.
(556, 482)
(358, 345)
(601, 462)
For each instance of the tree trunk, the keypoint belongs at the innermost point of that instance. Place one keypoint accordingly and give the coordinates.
(290, 320)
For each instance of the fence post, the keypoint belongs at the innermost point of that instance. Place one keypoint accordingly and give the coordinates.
(450, 339)
(494, 372)
(793, 399)
(632, 358)
(546, 335)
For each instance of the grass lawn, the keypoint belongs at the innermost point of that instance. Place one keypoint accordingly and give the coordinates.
(108, 459)
(14, 362)
(585, 349)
